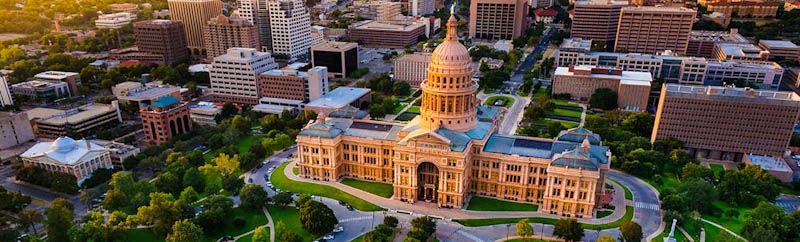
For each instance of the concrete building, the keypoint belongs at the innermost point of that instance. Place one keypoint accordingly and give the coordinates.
(291, 89)
(117, 151)
(195, 15)
(596, 20)
(160, 41)
(540, 3)
(290, 26)
(739, 52)
(452, 151)
(72, 79)
(701, 43)
(234, 75)
(124, 7)
(765, 75)
(76, 122)
(545, 15)
(75, 157)
(223, 33)
(744, 8)
(205, 113)
(775, 166)
(725, 123)
(164, 118)
(341, 58)
(422, 7)
(15, 129)
(497, 19)
(412, 68)
(6, 97)
(339, 99)
(147, 93)
(372, 33)
(41, 90)
(780, 49)
(654, 29)
(570, 49)
(257, 13)
(790, 5)
(632, 87)
(114, 20)
(318, 35)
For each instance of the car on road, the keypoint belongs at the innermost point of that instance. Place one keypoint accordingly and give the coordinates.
(338, 229)
(328, 237)
(250, 180)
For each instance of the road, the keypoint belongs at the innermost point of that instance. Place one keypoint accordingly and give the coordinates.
(7, 180)
(647, 209)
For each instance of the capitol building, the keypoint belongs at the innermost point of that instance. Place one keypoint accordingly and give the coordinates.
(452, 150)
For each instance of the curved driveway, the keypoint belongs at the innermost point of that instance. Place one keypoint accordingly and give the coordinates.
(647, 207)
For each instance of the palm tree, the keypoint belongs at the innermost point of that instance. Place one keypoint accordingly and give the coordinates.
(29, 218)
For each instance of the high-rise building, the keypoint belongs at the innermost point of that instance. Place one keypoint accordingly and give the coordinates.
(257, 12)
(234, 75)
(223, 33)
(725, 123)
(164, 40)
(412, 68)
(15, 129)
(290, 26)
(195, 15)
(749, 8)
(387, 11)
(6, 98)
(450, 151)
(596, 20)
(386, 35)
(164, 118)
(290, 88)
(341, 58)
(701, 43)
(581, 82)
(497, 19)
(422, 7)
(653, 29)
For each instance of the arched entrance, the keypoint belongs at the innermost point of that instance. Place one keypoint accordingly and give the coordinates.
(427, 182)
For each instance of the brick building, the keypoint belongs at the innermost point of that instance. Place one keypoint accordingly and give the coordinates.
(222, 33)
(160, 41)
(497, 19)
(164, 118)
(653, 29)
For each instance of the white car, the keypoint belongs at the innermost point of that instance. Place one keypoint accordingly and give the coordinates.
(338, 229)
(328, 237)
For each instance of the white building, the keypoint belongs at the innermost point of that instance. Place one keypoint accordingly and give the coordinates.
(257, 12)
(205, 113)
(79, 158)
(290, 27)
(114, 20)
(15, 129)
(422, 7)
(318, 35)
(234, 75)
(6, 98)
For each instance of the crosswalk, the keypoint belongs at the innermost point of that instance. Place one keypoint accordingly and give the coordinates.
(787, 205)
(469, 236)
(647, 206)
(355, 219)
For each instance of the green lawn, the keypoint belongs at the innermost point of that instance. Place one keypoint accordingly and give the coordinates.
(508, 101)
(538, 93)
(282, 182)
(492, 221)
(246, 142)
(397, 109)
(567, 113)
(628, 193)
(413, 109)
(143, 235)
(568, 124)
(668, 180)
(291, 219)
(604, 213)
(252, 220)
(563, 103)
(734, 225)
(377, 188)
(717, 168)
(477, 203)
(296, 170)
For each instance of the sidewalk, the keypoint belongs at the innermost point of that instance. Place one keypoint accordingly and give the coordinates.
(619, 198)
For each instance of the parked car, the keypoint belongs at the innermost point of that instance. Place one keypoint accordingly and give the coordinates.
(338, 229)
(328, 237)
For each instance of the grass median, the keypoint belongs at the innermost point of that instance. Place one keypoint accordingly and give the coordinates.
(477, 203)
(282, 182)
(628, 193)
(377, 188)
(552, 221)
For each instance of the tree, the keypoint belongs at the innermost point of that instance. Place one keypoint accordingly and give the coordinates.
(494, 78)
(317, 218)
(700, 192)
(767, 222)
(697, 171)
(631, 231)
(28, 218)
(282, 199)
(188, 195)
(667, 145)
(169, 183)
(95, 228)
(604, 98)
(568, 229)
(390, 221)
(227, 164)
(185, 231)
(261, 235)
(640, 123)
(422, 228)
(162, 212)
(290, 236)
(192, 178)
(59, 220)
(606, 238)
(553, 128)
(211, 219)
(253, 196)
(524, 229)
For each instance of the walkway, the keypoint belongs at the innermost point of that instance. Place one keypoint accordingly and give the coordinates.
(392, 117)
(420, 208)
(723, 228)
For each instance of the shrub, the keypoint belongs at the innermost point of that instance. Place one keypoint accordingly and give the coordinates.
(391, 221)
(238, 222)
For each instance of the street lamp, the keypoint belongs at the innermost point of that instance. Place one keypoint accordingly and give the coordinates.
(508, 227)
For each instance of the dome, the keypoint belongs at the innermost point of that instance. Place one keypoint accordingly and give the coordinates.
(451, 52)
(63, 144)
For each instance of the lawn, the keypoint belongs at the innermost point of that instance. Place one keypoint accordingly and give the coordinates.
(492, 221)
(628, 193)
(668, 180)
(477, 203)
(734, 225)
(565, 103)
(604, 213)
(243, 146)
(377, 188)
(539, 93)
(291, 219)
(508, 101)
(282, 182)
(568, 124)
(143, 235)
(252, 220)
(405, 116)
(678, 235)
(413, 109)
(399, 108)
(566, 113)
(296, 170)
(717, 168)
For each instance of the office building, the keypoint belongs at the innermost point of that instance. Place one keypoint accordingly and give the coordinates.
(774, 165)
(341, 58)
(72, 79)
(124, 7)
(318, 35)
(341, 98)
(164, 118)
(545, 15)
(452, 151)
(412, 68)
(377, 34)
(145, 94)
(780, 49)
(6, 97)
(497, 19)
(290, 26)
(117, 151)
(205, 113)
(15, 129)
(234, 75)
(422, 7)
(75, 157)
(223, 33)
(701, 43)
(195, 15)
(41, 90)
(596, 20)
(290, 89)
(257, 13)
(540, 3)
(764, 75)
(75, 122)
(726, 123)
(739, 52)
(632, 87)
(114, 20)
(653, 29)
(160, 41)
(744, 8)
